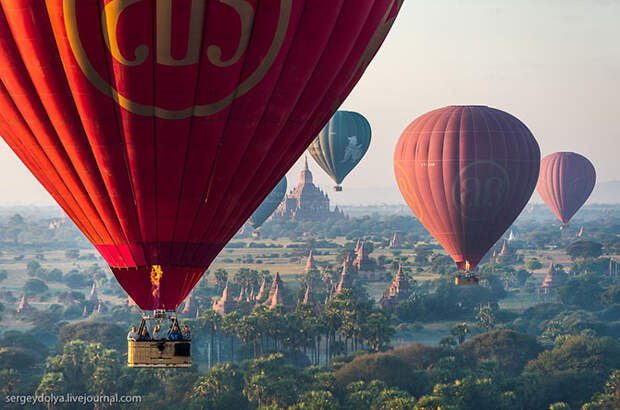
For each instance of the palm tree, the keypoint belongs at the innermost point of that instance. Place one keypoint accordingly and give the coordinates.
(460, 331)
(212, 320)
(378, 330)
(229, 324)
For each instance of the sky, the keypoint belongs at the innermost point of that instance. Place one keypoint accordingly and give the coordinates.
(554, 64)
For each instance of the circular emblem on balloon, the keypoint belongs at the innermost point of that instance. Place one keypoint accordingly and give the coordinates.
(481, 190)
(177, 48)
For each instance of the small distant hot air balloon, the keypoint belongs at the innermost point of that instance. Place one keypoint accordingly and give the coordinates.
(467, 172)
(269, 205)
(565, 183)
(341, 144)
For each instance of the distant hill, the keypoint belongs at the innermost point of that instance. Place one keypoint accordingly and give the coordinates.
(604, 193)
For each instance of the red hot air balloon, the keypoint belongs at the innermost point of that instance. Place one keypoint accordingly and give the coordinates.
(466, 172)
(565, 183)
(160, 126)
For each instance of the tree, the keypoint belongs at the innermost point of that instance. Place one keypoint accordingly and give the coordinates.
(388, 368)
(55, 275)
(578, 354)
(583, 291)
(316, 400)
(9, 380)
(3, 274)
(510, 349)
(377, 330)
(220, 388)
(33, 268)
(76, 280)
(486, 316)
(468, 393)
(460, 331)
(109, 335)
(584, 249)
(84, 367)
(35, 286)
(271, 381)
(221, 277)
(533, 264)
(609, 399)
(17, 358)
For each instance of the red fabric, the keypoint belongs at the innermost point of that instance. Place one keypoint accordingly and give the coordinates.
(466, 172)
(166, 173)
(565, 183)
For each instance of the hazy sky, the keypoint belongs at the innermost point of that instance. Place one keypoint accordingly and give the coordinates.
(554, 64)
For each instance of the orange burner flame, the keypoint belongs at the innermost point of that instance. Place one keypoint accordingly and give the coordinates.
(156, 274)
(467, 266)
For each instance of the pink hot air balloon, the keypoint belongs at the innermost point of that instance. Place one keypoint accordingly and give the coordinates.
(565, 183)
(466, 172)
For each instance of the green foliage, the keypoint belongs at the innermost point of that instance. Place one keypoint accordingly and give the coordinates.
(35, 287)
(82, 367)
(578, 354)
(220, 388)
(386, 367)
(469, 393)
(271, 381)
(13, 338)
(110, 335)
(511, 350)
(533, 264)
(376, 395)
(584, 249)
(448, 302)
(19, 358)
(583, 291)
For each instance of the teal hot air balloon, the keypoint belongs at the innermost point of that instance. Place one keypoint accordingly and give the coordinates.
(268, 206)
(341, 144)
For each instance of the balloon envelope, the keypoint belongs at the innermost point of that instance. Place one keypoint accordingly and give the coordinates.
(160, 126)
(565, 183)
(466, 172)
(266, 208)
(341, 144)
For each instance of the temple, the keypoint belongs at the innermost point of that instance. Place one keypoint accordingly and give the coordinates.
(24, 307)
(365, 267)
(552, 281)
(398, 292)
(226, 303)
(397, 241)
(306, 201)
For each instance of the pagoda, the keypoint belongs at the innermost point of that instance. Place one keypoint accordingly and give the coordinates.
(397, 240)
(398, 292)
(190, 308)
(365, 267)
(310, 265)
(552, 280)
(306, 201)
(346, 279)
(24, 307)
(226, 303)
(276, 299)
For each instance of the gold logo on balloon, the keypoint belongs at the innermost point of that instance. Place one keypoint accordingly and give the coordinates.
(109, 21)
